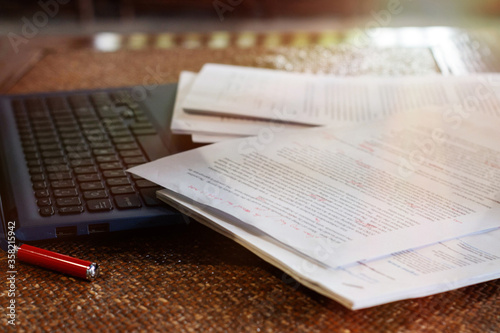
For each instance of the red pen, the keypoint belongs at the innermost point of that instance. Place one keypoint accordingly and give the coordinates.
(58, 262)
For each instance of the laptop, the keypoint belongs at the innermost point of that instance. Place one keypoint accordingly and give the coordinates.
(63, 158)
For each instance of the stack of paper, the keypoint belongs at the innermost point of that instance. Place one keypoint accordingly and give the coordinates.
(402, 207)
(225, 101)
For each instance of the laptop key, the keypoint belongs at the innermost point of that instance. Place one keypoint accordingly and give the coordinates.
(67, 192)
(127, 146)
(65, 175)
(29, 149)
(35, 170)
(57, 168)
(114, 173)
(119, 133)
(70, 201)
(53, 153)
(107, 158)
(76, 148)
(42, 194)
(99, 205)
(39, 185)
(62, 183)
(46, 211)
(110, 166)
(85, 169)
(32, 156)
(50, 146)
(48, 141)
(78, 155)
(131, 153)
(68, 128)
(118, 181)
(37, 177)
(106, 151)
(73, 141)
(54, 160)
(97, 194)
(116, 190)
(88, 177)
(43, 202)
(71, 135)
(70, 210)
(91, 186)
(127, 201)
(141, 125)
(81, 162)
(33, 163)
(135, 160)
(123, 139)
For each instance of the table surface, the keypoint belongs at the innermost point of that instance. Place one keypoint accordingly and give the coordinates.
(189, 278)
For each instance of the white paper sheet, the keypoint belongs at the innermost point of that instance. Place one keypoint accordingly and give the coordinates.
(185, 123)
(405, 182)
(408, 274)
(327, 100)
(211, 138)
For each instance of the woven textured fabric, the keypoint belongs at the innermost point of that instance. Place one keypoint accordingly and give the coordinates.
(189, 278)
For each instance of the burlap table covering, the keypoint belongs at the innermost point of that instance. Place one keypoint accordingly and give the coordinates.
(189, 278)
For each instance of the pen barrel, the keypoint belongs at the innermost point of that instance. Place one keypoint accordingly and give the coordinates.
(58, 262)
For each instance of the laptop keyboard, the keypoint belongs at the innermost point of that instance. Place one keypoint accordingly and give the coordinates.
(77, 148)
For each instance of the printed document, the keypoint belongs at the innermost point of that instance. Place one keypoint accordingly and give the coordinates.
(256, 93)
(407, 274)
(205, 125)
(411, 180)
(400, 208)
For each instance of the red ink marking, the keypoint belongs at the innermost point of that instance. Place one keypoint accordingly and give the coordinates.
(435, 166)
(364, 165)
(282, 222)
(364, 146)
(317, 220)
(261, 199)
(356, 183)
(317, 197)
(243, 208)
(412, 205)
(493, 165)
(455, 220)
(364, 224)
(294, 226)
